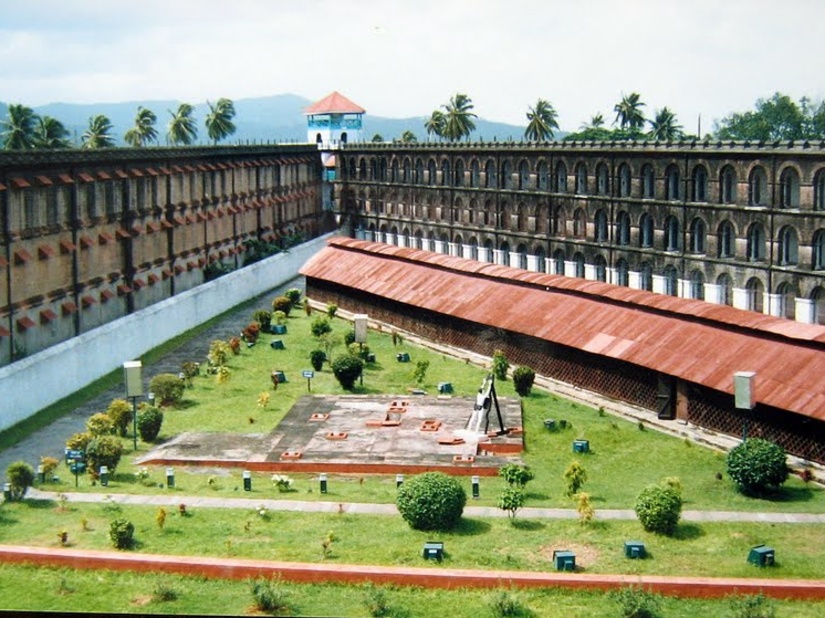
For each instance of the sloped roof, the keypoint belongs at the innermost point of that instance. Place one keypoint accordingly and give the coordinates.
(693, 340)
(334, 103)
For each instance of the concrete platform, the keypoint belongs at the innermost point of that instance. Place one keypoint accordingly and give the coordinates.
(361, 434)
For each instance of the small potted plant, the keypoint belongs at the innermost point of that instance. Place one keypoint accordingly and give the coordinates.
(279, 326)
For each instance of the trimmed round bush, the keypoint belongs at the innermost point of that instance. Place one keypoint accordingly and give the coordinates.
(168, 388)
(431, 501)
(79, 441)
(658, 508)
(120, 411)
(103, 451)
(100, 424)
(757, 464)
(294, 296)
(20, 476)
(282, 303)
(317, 358)
(320, 326)
(523, 378)
(122, 533)
(149, 422)
(347, 370)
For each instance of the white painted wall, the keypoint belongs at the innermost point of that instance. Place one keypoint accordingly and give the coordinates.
(37, 381)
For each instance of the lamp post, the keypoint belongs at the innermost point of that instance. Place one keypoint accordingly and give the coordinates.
(134, 389)
(360, 321)
(744, 383)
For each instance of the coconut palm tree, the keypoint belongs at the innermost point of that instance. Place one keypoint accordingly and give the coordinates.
(596, 122)
(458, 119)
(143, 131)
(408, 137)
(629, 114)
(218, 121)
(97, 135)
(664, 127)
(182, 129)
(541, 120)
(434, 125)
(50, 133)
(18, 127)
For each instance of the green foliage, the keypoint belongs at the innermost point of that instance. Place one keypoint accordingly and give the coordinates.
(347, 369)
(431, 501)
(349, 337)
(658, 508)
(777, 118)
(752, 606)
(279, 317)
(636, 602)
(49, 465)
(757, 464)
(168, 388)
(500, 365)
(122, 533)
(20, 476)
(332, 309)
(103, 451)
(317, 358)
(511, 500)
(163, 593)
(516, 475)
(506, 604)
(523, 378)
(263, 318)
(282, 303)
(219, 351)
(100, 424)
(269, 596)
(420, 371)
(294, 296)
(574, 477)
(376, 602)
(320, 326)
(149, 422)
(79, 441)
(120, 412)
(361, 350)
(584, 507)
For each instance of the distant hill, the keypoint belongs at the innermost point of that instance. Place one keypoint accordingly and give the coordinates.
(262, 119)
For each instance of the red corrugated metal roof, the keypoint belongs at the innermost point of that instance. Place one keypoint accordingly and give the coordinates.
(695, 341)
(334, 103)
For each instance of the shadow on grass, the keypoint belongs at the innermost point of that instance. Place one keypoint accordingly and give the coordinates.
(528, 524)
(39, 504)
(688, 532)
(535, 495)
(788, 494)
(471, 527)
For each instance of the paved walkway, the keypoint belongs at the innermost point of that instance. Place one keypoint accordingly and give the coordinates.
(362, 508)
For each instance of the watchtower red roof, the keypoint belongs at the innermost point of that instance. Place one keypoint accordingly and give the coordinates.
(335, 103)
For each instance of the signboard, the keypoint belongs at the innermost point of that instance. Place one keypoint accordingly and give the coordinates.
(309, 374)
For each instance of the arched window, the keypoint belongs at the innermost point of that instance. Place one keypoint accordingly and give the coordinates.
(523, 175)
(697, 284)
(725, 284)
(818, 296)
(697, 236)
(648, 182)
(789, 188)
(756, 243)
(538, 251)
(727, 185)
(506, 175)
(788, 246)
(473, 249)
(505, 253)
(431, 174)
(579, 223)
(362, 170)
(699, 186)
(818, 250)
(672, 234)
(600, 224)
(561, 178)
(581, 179)
(645, 231)
(578, 260)
(624, 180)
(819, 190)
(407, 171)
(622, 272)
(758, 187)
(459, 246)
(458, 176)
(726, 241)
(394, 171)
(559, 222)
(445, 173)
(419, 172)
(490, 173)
(623, 229)
(522, 217)
(558, 262)
(543, 176)
(646, 276)
(600, 266)
(488, 245)
(475, 174)
(672, 183)
(602, 179)
(756, 294)
(419, 240)
(521, 250)
(671, 277)
(787, 295)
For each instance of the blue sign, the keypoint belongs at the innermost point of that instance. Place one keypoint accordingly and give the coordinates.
(309, 374)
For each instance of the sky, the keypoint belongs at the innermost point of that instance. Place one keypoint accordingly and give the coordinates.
(405, 58)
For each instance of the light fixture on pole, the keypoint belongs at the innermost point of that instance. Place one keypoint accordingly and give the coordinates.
(134, 389)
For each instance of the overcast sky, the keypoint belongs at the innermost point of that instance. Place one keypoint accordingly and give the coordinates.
(406, 57)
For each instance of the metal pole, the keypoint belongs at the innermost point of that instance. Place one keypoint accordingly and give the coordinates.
(134, 420)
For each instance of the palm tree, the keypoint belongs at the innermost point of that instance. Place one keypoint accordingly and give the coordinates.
(434, 125)
(97, 135)
(596, 122)
(628, 112)
(182, 127)
(18, 127)
(218, 122)
(143, 131)
(458, 119)
(664, 127)
(408, 137)
(50, 133)
(541, 122)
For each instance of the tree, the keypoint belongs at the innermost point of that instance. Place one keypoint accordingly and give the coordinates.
(347, 369)
(18, 128)
(516, 475)
(757, 464)
(629, 114)
(663, 127)
(434, 125)
(20, 476)
(541, 120)
(777, 118)
(574, 477)
(182, 130)
(408, 137)
(98, 133)
(596, 121)
(320, 326)
(120, 411)
(50, 133)
(377, 138)
(458, 117)
(658, 508)
(500, 365)
(218, 121)
(511, 500)
(523, 378)
(431, 501)
(143, 131)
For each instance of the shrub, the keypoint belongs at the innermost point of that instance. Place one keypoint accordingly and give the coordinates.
(20, 476)
(251, 332)
(658, 508)
(431, 501)
(320, 326)
(636, 602)
(317, 358)
(505, 604)
(307, 307)
(332, 309)
(420, 371)
(122, 534)
(376, 602)
(361, 350)
(516, 475)
(500, 365)
(523, 378)
(168, 388)
(120, 412)
(100, 424)
(79, 441)
(279, 317)
(149, 422)
(757, 464)
(103, 451)
(263, 318)
(234, 345)
(282, 303)
(584, 508)
(49, 465)
(218, 355)
(190, 369)
(511, 500)
(752, 606)
(294, 296)
(574, 477)
(269, 597)
(162, 593)
(347, 369)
